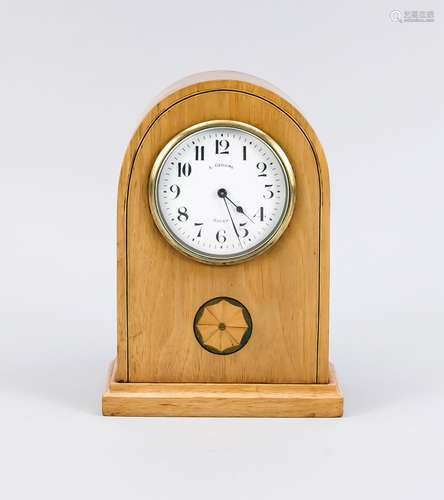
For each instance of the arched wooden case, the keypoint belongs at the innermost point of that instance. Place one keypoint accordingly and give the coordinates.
(283, 370)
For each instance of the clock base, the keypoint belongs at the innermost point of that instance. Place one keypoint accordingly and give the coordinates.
(222, 400)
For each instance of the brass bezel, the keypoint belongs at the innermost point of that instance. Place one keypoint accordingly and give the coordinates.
(255, 251)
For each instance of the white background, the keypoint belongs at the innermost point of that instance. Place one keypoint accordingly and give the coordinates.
(76, 78)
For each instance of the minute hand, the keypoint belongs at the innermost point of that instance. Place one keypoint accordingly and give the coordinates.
(239, 209)
(232, 221)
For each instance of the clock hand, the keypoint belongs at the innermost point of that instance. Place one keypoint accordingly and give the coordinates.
(239, 209)
(232, 221)
(222, 193)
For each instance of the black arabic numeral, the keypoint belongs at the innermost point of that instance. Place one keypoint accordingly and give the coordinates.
(260, 213)
(199, 224)
(220, 236)
(261, 166)
(183, 214)
(269, 194)
(175, 189)
(199, 152)
(183, 169)
(243, 231)
(222, 146)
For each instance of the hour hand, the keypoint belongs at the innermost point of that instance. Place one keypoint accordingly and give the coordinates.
(239, 209)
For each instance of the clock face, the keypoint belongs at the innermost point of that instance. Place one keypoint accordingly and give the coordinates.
(222, 192)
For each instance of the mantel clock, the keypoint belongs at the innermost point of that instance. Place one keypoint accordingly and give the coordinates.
(223, 258)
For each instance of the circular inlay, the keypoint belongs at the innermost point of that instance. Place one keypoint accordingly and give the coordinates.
(222, 325)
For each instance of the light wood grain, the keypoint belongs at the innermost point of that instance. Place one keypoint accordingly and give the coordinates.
(223, 400)
(285, 290)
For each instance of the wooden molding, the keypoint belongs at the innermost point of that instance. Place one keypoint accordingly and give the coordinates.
(222, 400)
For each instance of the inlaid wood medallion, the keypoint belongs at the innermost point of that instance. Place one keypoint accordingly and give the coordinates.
(222, 325)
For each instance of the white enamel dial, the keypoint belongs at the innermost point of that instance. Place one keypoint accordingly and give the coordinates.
(222, 192)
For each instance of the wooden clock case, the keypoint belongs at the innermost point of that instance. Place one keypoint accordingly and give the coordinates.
(284, 369)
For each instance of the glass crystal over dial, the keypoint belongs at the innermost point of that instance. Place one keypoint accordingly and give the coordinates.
(222, 192)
